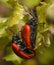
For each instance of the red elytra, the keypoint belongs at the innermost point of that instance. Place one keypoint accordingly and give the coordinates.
(20, 53)
(26, 36)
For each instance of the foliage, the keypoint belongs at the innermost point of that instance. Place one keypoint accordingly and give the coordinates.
(44, 41)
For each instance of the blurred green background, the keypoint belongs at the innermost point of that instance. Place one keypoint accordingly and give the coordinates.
(13, 15)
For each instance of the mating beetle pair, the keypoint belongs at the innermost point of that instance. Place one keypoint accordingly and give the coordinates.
(25, 48)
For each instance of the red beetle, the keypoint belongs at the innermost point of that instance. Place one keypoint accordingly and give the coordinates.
(26, 35)
(29, 34)
(20, 49)
(25, 47)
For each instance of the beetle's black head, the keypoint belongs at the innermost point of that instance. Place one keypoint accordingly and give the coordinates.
(15, 38)
(32, 21)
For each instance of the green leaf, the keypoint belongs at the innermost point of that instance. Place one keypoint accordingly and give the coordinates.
(12, 2)
(46, 54)
(3, 26)
(3, 0)
(25, 18)
(3, 33)
(11, 56)
(29, 3)
(3, 23)
(3, 42)
(50, 11)
(16, 16)
(41, 12)
(49, 1)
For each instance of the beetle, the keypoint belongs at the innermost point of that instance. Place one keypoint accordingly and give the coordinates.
(20, 49)
(25, 47)
(29, 33)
